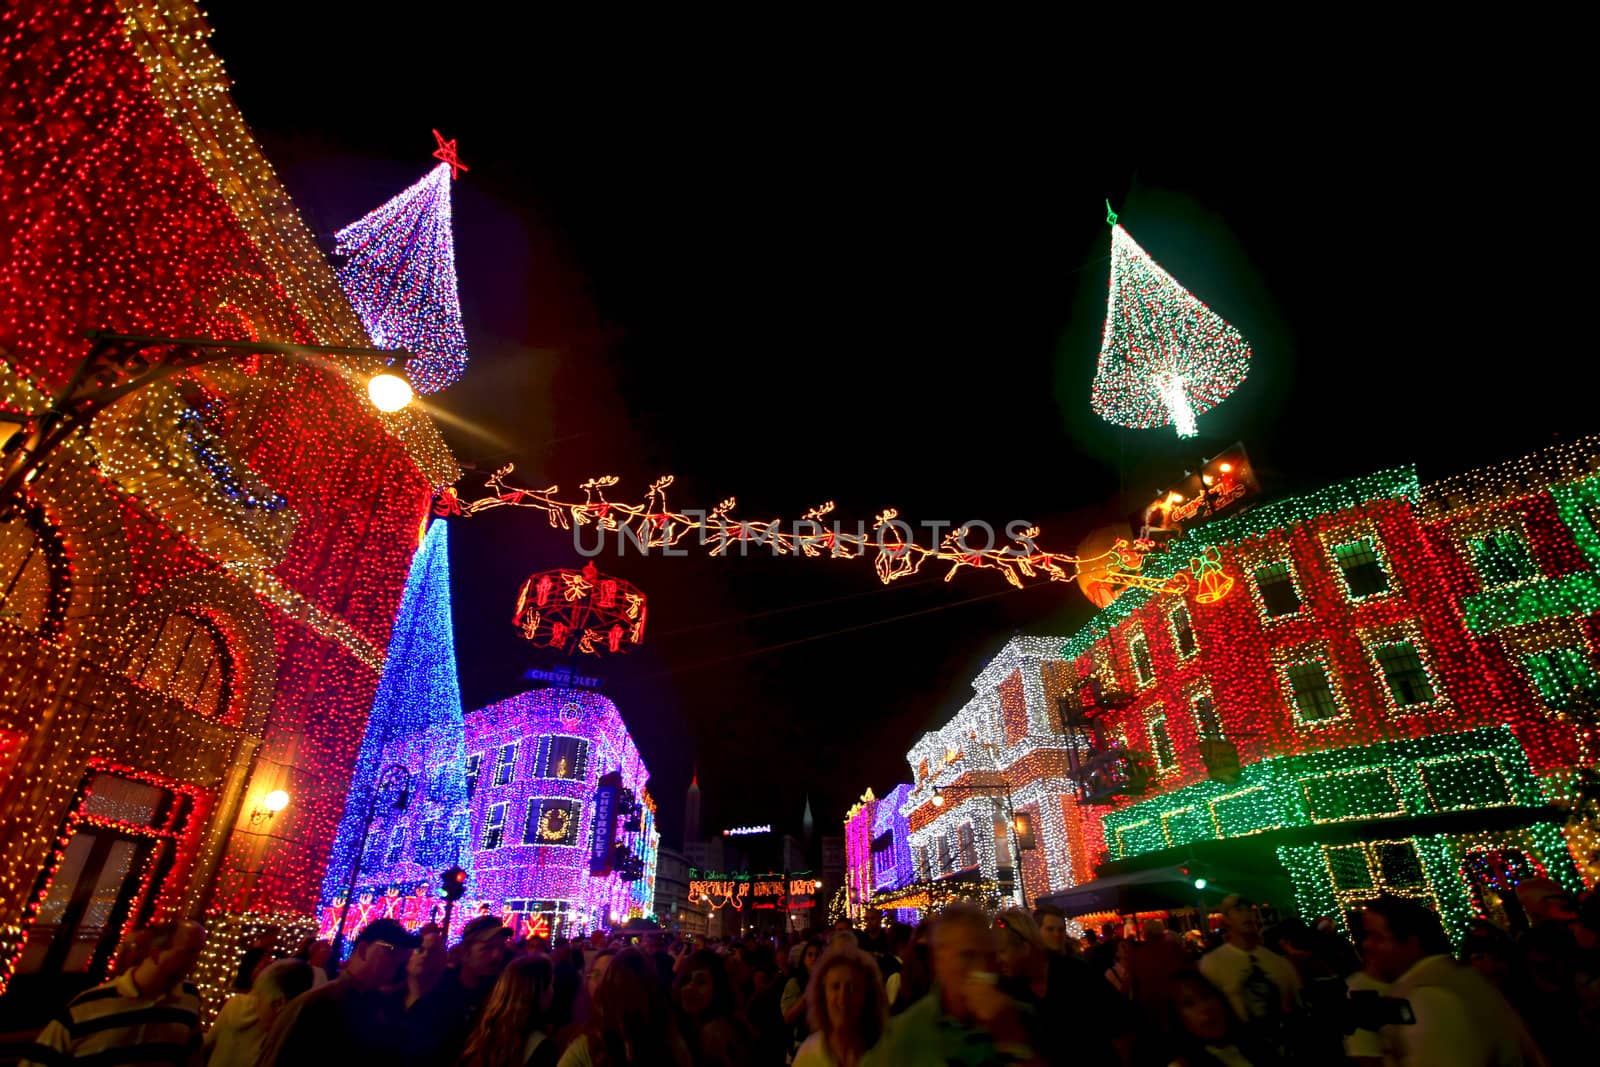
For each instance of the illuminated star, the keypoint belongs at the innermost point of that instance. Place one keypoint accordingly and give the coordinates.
(447, 152)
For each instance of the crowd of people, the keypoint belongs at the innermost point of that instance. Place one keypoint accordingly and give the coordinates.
(964, 987)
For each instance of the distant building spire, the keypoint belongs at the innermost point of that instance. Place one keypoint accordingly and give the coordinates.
(691, 811)
(807, 823)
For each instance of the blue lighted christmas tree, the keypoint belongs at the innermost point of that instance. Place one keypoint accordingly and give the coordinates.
(400, 274)
(415, 723)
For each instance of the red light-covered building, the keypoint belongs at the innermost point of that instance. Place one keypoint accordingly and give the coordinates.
(1361, 713)
(196, 592)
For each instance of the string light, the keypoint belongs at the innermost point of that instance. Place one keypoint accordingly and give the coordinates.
(400, 274)
(653, 526)
(1165, 357)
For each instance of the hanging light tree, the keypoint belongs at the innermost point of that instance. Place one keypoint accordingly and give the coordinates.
(399, 272)
(1165, 357)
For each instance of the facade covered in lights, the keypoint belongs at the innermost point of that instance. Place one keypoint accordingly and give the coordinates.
(196, 593)
(1396, 696)
(543, 851)
(994, 774)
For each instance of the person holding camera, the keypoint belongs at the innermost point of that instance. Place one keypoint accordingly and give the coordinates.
(1459, 1018)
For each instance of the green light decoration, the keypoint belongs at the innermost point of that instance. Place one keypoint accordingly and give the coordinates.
(1399, 484)
(1165, 357)
(1336, 880)
(1472, 770)
(1514, 592)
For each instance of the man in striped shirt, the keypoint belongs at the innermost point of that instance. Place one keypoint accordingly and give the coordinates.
(148, 1015)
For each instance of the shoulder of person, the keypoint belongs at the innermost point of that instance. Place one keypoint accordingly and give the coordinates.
(812, 1053)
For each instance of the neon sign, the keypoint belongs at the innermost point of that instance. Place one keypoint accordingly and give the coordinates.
(739, 831)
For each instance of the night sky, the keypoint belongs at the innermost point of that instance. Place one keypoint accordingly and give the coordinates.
(796, 276)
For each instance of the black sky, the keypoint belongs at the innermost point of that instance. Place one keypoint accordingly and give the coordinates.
(796, 275)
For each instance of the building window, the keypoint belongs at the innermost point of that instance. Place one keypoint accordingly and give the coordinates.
(505, 765)
(1205, 715)
(1312, 691)
(1564, 677)
(1182, 631)
(397, 845)
(422, 847)
(1161, 744)
(1139, 651)
(1502, 558)
(552, 821)
(187, 661)
(1275, 583)
(24, 576)
(494, 830)
(474, 765)
(562, 757)
(1404, 673)
(968, 845)
(1363, 571)
(946, 861)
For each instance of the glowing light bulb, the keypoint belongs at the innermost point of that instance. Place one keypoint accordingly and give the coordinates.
(938, 800)
(388, 391)
(276, 801)
(1226, 468)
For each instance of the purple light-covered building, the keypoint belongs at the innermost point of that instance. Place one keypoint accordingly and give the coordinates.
(891, 842)
(535, 765)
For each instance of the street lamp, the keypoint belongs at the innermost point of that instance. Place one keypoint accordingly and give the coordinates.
(1018, 824)
(389, 391)
(393, 775)
(119, 364)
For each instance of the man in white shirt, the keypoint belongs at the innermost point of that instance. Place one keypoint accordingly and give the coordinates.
(1260, 984)
(1461, 1019)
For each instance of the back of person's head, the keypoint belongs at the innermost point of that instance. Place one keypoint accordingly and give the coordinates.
(1041, 910)
(874, 1016)
(957, 914)
(843, 937)
(633, 1017)
(1408, 919)
(516, 1007)
(283, 980)
(1017, 925)
(899, 936)
(763, 960)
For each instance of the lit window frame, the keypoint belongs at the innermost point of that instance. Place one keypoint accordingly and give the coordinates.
(1334, 540)
(1136, 635)
(1316, 652)
(1253, 563)
(1180, 605)
(1411, 634)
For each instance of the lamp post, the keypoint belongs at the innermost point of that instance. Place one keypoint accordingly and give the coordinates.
(1013, 829)
(392, 775)
(119, 364)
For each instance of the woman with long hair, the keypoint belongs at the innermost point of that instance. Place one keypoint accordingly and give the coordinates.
(1202, 1031)
(512, 1031)
(793, 1004)
(717, 1036)
(632, 1024)
(847, 1009)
